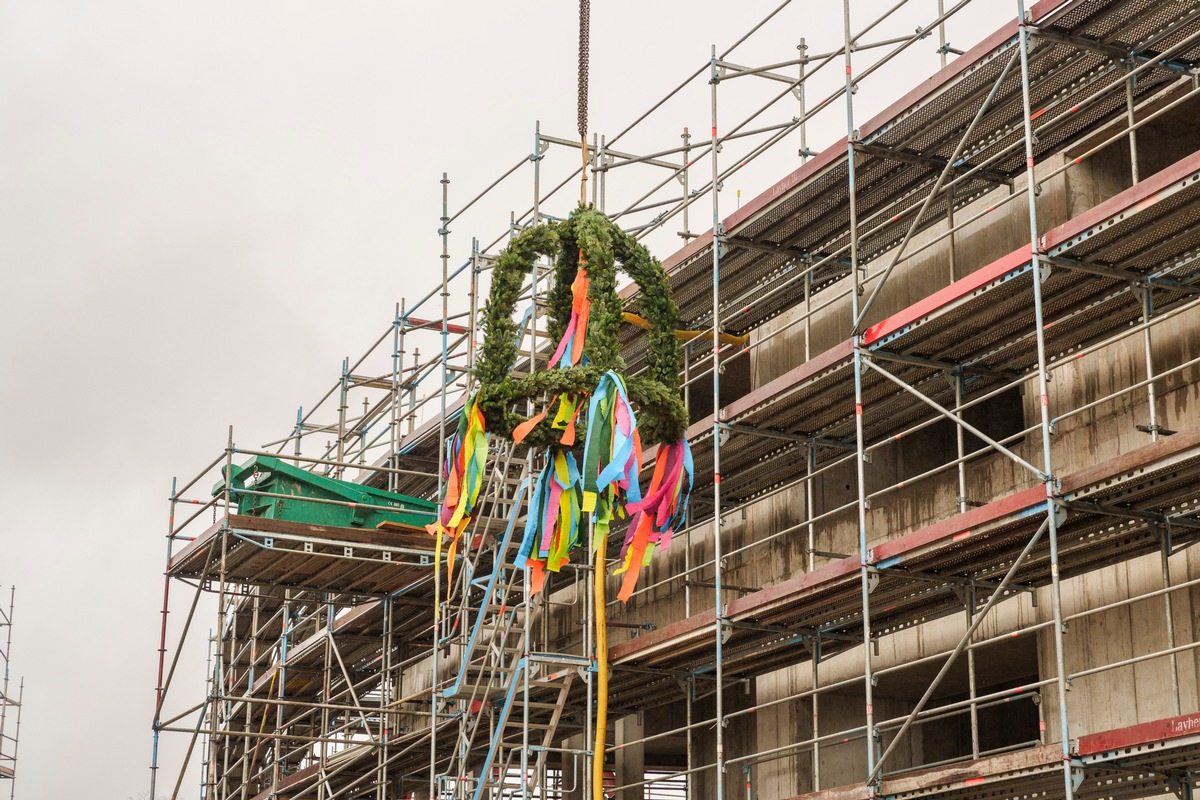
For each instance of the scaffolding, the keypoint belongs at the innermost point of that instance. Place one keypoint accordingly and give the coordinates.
(961, 388)
(10, 705)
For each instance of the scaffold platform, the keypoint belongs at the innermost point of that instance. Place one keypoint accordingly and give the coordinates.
(266, 552)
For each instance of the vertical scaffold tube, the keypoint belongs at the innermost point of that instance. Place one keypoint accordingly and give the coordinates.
(718, 238)
(474, 313)
(16, 740)
(394, 411)
(343, 392)
(222, 599)
(444, 232)
(526, 593)
(859, 435)
(599, 173)
(536, 158)
(162, 641)
(326, 685)
(1044, 403)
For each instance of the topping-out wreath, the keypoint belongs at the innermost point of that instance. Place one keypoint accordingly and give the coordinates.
(593, 419)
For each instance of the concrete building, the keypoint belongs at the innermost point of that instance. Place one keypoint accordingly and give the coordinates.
(959, 471)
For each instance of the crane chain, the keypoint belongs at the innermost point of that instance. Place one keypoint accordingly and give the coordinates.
(584, 39)
(585, 13)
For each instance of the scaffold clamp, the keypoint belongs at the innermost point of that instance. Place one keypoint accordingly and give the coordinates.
(1077, 775)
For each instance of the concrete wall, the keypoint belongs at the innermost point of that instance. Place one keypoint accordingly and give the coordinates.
(1126, 695)
(1111, 699)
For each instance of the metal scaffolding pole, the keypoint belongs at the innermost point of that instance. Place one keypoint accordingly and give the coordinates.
(218, 673)
(718, 565)
(476, 268)
(326, 675)
(16, 740)
(8, 761)
(162, 642)
(859, 433)
(1044, 400)
(394, 434)
(816, 714)
(444, 232)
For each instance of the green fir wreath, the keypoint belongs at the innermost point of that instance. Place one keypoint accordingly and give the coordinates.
(606, 248)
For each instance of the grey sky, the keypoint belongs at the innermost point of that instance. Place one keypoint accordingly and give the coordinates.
(204, 207)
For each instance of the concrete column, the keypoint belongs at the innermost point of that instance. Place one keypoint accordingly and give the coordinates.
(631, 760)
(780, 725)
(741, 738)
(573, 768)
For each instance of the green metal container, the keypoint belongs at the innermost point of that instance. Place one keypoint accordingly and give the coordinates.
(318, 500)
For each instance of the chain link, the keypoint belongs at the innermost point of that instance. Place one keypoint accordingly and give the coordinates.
(585, 13)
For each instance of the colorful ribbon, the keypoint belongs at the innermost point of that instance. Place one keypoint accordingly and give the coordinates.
(552, 524)
(659, 514)
(606, 486)
(462, 473)
(570, 347)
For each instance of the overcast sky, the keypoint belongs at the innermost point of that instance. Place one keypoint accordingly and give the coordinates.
(205, 206)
